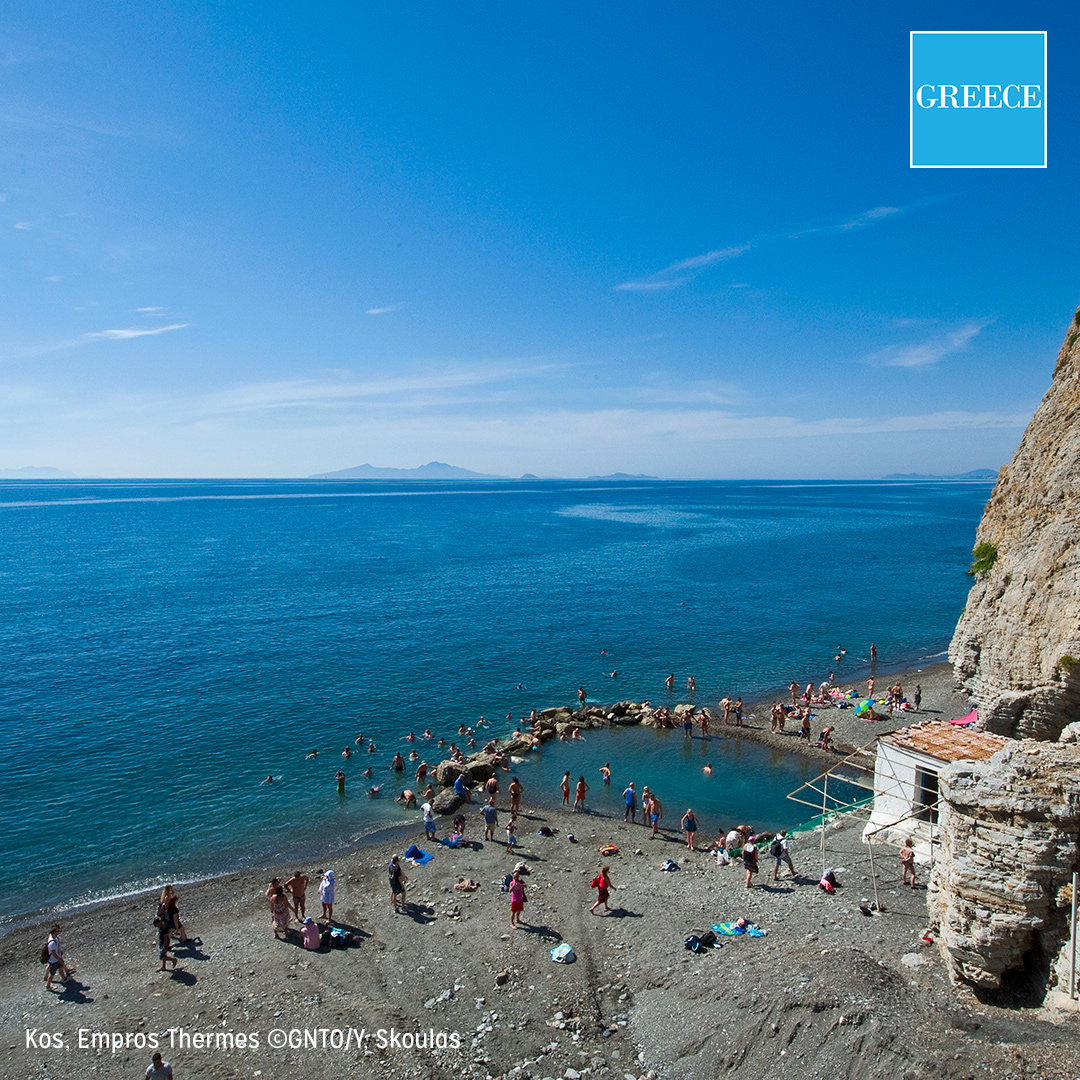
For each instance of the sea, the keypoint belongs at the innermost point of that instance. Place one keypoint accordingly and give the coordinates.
(170, 644)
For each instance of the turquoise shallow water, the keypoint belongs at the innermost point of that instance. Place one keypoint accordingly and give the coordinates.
(169, 644)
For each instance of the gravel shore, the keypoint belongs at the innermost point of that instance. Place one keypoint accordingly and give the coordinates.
(828, 992)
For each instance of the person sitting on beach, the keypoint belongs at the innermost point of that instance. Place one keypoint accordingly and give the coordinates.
(310, 937)
(458, 824)
(467, 884)
(462, 788)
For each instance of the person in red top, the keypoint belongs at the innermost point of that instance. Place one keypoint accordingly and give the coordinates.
(517, 899)
(602, 884)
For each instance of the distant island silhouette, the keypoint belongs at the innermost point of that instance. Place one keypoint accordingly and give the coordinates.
(975, 474)
(433, 470)
(37, 472)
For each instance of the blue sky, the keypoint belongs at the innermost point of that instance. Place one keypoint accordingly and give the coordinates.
(263, 240)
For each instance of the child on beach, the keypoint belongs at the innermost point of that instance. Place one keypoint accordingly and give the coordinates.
(604, 888)
(907, 862)
(280, 912)
(511, 834)
(517, 899)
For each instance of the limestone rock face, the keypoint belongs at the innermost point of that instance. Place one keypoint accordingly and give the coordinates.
(1015, 643)
(1009, 832)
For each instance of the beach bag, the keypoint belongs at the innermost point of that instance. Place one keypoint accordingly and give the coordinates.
(775, 848)
(669, 864)
(339, 939)
(43, 956)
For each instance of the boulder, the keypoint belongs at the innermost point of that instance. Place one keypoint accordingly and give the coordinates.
(447, 802)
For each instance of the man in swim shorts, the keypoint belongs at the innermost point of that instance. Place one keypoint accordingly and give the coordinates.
(297, 886)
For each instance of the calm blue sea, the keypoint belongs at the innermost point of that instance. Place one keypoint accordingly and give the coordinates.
(168, 644)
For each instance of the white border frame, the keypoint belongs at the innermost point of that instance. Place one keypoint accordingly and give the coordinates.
(911, 100)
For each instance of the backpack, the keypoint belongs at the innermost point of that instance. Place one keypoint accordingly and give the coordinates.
(697, 943)
(776, 848)
(43, 956)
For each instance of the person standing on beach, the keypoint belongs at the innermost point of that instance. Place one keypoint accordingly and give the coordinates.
(750, 861)
(511, 834)
(630, 798)
(164, 941)
(778, 849)
(917, 696)
(738, 707)
(656, 812)
(326, 894)
(579, 795)
(689, 826)
(515, 791)
(602, 884)
(566, 788)
(491, 819)
(794, 688)
(688, 725)
(398, 881)
(280, 912)
(517, 899)
(297, 885)
(873, 653)
(169, 912)
(54, 952)
(429, 819)
(907, 862)
(703, 722)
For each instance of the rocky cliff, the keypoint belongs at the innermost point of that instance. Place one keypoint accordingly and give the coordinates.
(1017, 645)
(1000, 891)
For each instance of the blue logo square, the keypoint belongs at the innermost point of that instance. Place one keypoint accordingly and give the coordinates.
(978, 99)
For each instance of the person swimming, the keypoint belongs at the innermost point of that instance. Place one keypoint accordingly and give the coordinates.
(314, 753)
(708, 769)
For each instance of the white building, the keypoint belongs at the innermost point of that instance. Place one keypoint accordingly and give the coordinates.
(906, 779)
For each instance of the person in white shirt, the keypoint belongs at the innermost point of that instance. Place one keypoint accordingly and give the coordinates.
(158, 1069)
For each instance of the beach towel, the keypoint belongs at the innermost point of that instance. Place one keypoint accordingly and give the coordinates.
(965, 720)
(608, 849)
(563, 954)
(729, 929)
(447, 841)
(415, 855)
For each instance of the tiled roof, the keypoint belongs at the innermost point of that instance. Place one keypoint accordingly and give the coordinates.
(945, 742)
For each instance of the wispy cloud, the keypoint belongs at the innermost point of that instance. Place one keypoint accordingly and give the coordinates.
(931, 351)
(150, 310)
(683, 270)
(384, 310)
(131, 332)
(679, 273)
(22, 224)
